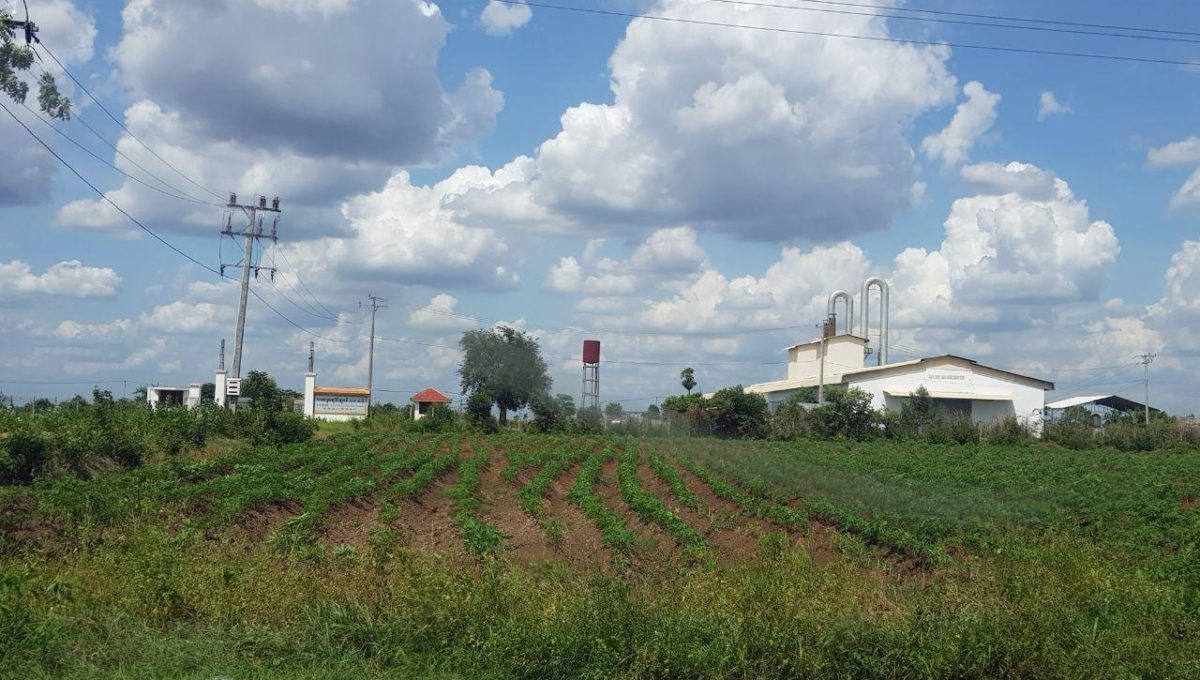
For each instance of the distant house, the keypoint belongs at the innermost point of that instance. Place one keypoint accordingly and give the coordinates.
(425, 400)
(160, 395)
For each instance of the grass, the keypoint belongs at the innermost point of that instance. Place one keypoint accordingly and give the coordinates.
(1056, 565)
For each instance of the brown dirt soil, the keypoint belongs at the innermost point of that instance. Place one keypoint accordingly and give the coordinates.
(654, 544)
(350, 523)
(734, 534)
(425, 520)
(582, 542)
(1190, 503)
(21, 524)
(819, 540)
(257, 523)
(501, 507)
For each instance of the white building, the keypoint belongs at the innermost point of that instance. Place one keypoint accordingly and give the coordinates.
(958, 384)
(189, 396)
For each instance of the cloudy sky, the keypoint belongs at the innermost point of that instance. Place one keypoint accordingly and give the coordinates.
(688, 193)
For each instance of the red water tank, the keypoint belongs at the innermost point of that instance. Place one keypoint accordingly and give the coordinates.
(591, 351)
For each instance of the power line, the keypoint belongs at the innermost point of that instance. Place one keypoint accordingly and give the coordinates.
(1053, 22)
(103, 196)
(296, 273)
(855, 36)
(108, 163)
(963, 22)
(122, 124)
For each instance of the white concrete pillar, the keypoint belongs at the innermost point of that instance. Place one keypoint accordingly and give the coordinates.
(310, 386)
(219, 393)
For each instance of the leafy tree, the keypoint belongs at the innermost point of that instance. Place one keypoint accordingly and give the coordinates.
(208, 392)
(566, 405)
(479, 411)
(687, 378)
(735, 412)
(261, 391)
(505, 362)
(589, 420)
(653, 412)
(16, 57)
(75, 403)
(547, 414)
(139, 394)
(681, 404)
(614, 411)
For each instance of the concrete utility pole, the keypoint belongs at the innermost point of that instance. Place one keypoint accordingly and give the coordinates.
(374, 306)
(251, 233)
(1146, 360)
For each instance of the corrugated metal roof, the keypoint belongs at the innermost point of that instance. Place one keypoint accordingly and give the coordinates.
(1074, 401)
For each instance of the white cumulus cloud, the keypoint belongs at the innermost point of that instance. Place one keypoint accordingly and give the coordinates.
(1048, 105)
(502, 18)
(70, 278)
(972, 119)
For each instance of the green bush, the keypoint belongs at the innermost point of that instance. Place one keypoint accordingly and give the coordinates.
(847, 414)
(22, 454)
(735, 413)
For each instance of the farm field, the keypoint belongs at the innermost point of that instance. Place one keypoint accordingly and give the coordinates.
(458, 555)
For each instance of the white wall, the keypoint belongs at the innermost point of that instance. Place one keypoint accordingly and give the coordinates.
(964, 381)
(842, 353)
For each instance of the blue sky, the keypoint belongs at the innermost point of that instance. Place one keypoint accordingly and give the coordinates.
(636, 178)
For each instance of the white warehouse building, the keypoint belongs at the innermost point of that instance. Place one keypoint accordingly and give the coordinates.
(961, 385)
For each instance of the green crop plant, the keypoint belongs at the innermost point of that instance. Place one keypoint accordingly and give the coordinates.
(672, 479)
(615, 531)
(650, 508)
(480, 536)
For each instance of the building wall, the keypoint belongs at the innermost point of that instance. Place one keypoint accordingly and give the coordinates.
(1027, 400)
(842, 353)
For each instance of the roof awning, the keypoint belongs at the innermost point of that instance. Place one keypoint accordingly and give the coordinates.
(954, 395)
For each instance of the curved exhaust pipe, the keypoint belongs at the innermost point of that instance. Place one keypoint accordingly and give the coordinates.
(848, 324)
(881, 355)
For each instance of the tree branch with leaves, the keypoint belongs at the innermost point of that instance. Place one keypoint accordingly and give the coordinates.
(16, 58)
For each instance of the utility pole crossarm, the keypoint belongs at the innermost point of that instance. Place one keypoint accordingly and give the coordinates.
(251, 234)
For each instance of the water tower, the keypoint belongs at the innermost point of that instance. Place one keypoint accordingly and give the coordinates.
(591, 374)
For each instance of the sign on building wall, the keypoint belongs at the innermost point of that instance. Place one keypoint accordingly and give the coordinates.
(337, 405)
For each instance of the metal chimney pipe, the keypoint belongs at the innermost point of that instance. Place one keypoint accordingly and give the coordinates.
(881, 355)
(848, 324)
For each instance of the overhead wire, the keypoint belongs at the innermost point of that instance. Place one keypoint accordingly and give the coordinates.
(855, 36)
(964, 22)
(1053, 22)
(120, 123)
(296, 273)
(108, 163)
(103, 196)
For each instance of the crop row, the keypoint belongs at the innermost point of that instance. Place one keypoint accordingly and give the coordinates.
(876, 531)
(671, 478)
(533, 494)
(613, 529)
(650, 508)
(479, 535)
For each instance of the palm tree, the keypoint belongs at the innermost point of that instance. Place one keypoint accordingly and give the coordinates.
(687, 378)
